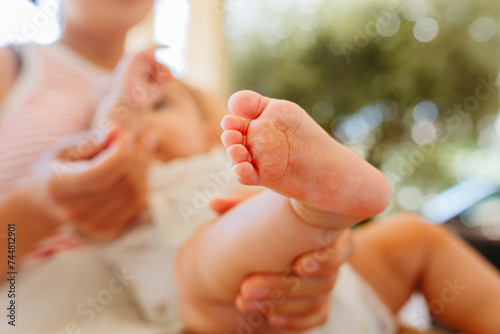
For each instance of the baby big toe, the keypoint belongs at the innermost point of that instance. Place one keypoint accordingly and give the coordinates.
(248, 104)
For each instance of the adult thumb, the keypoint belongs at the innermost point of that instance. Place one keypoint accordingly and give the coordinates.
(85, 146)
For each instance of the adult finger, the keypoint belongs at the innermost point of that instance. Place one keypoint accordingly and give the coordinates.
(326, 261)
(144, 154)
(300, 322)
(90, 176)
(286, 306)
(82, 209)
(111, 219)
(138, 78)
(262, 286)
(127, 215)
(83, 146)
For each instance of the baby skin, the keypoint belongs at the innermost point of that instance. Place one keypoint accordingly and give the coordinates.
(317, 189)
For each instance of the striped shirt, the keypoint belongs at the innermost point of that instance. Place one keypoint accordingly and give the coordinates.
(52, 98)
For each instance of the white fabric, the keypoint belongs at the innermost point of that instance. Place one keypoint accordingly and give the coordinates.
(73, 292)
(143, 264)
(180, 192)
(355, 308)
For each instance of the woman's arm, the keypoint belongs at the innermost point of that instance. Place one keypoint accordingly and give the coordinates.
(23, 213)
(8, 70)
(98, 191)
(19, 208)
(98, 187)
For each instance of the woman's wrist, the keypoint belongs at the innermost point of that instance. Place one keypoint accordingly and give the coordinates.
(31, 215)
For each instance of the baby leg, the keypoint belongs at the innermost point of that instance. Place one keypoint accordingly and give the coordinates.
(403, 253)
(277, 145)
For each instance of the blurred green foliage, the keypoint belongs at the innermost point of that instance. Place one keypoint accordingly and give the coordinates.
(363, 87)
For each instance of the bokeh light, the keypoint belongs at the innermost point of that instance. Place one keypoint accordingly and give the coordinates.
(425, 29)
(323, 112)
(309, 6)
(482, 29)
(458, 12)
(388, 24)
(396, 81)
(425, 111)
(410, 197)
(415, 10)
(424, 133)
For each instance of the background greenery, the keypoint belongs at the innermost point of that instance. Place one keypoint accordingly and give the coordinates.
(409, 106)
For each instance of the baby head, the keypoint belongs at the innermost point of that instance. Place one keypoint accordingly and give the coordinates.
(184, 120)
(181, 120)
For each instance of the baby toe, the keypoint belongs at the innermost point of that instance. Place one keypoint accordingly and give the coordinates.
(238, 153)
(246, 173)
(231, 122)
(231, 137)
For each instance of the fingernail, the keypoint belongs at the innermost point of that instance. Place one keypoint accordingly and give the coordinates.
(255, 292)
(260, 292)
(308, 266)
(279, 320)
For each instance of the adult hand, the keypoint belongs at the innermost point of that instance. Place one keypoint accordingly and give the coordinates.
(137, 82)
(97, 187)
(98, 181)
(299, 299)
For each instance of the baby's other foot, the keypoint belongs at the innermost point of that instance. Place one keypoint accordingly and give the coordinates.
(276, 144)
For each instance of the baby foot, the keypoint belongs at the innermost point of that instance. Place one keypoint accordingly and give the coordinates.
(276, 144)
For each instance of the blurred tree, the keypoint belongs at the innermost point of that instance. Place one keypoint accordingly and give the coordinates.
(408, 84)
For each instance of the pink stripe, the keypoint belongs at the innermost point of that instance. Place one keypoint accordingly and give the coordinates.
(60, 106)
